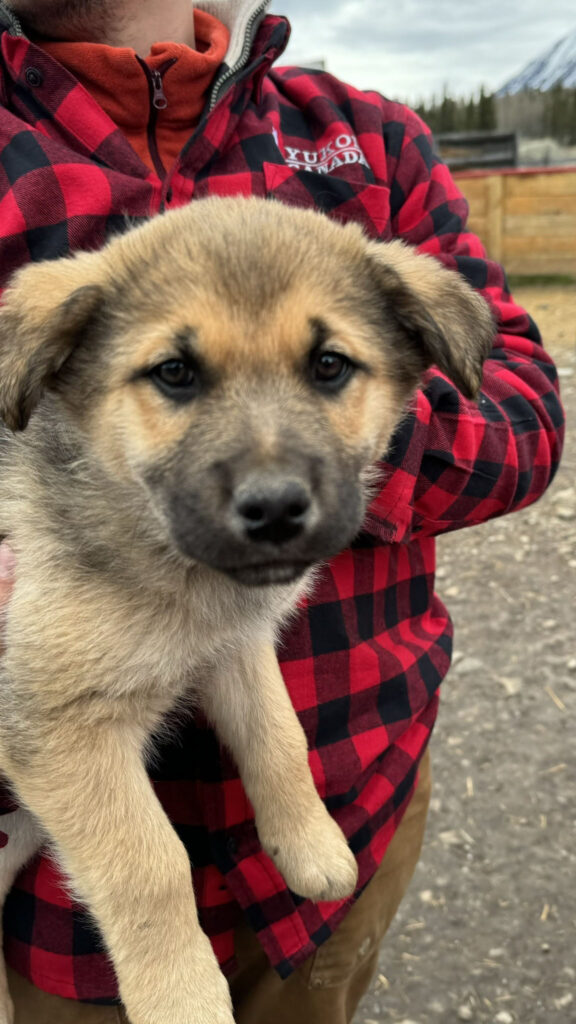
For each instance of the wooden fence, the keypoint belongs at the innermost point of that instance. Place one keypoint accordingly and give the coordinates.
(526, 218)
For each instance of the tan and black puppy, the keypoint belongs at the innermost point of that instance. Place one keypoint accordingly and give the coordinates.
(192, 416)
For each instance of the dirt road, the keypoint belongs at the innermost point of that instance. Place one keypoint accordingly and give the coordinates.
(488, 931)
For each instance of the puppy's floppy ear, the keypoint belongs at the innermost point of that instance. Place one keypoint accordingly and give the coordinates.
(44, 311)
(445, 321)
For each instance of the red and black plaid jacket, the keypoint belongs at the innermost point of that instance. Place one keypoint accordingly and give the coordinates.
(365, 659)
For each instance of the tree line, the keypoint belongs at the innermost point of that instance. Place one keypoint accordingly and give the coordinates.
(531, 113)
(447, 114)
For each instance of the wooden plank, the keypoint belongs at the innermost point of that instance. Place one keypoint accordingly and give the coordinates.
(494, 220)
(515, 172)
(536, 243)
(545, 265)
(541, 185)
(478, 226)
(535, 256)
(477, 210)
(546, 205)
(556, 226)
(474, 189)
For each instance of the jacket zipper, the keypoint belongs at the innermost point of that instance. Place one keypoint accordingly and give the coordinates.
(9, 20)
(248, 40)
(158, 102)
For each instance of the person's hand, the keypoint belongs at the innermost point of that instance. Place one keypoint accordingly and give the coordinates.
(7, 569)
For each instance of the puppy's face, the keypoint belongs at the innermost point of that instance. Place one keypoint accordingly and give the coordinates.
(243, 365)
(251, 430)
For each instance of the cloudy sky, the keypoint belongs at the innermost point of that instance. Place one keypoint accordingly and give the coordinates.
(410, 49)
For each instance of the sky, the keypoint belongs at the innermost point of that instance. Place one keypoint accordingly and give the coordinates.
(412, 49)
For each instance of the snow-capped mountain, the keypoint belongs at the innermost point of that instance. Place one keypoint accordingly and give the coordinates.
(556, 65)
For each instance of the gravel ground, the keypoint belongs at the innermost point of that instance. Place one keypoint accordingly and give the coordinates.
(487, 932)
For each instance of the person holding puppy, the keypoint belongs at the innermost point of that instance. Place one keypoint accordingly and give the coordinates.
(116, 110)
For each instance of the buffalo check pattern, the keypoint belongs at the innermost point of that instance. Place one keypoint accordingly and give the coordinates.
(364, 661)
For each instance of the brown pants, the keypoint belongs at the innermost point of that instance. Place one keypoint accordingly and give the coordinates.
(328, 987)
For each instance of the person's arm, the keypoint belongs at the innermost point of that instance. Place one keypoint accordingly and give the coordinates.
(455, 462)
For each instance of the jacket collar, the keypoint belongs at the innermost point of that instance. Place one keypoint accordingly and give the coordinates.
(242, 19)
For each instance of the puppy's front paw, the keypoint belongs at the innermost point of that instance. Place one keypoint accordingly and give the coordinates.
(314, 859)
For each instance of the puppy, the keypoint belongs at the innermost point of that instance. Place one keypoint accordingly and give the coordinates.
(192, 416)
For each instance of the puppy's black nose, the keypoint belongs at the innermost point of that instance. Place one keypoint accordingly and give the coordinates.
(274, 510)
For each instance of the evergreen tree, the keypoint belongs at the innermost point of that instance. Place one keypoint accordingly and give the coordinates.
(486, 112)
(470, 116)
(447, 114)
(570, 116)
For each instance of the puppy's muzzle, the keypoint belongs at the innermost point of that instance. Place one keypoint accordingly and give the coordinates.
(271, 509)
(259, 521)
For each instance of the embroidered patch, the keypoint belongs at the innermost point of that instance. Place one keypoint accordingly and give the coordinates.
(341, 152)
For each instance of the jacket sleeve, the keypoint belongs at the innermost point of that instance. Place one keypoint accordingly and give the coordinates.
(455, 462)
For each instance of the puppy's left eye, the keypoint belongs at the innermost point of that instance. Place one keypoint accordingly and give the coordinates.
(331, 369)
(176, 379)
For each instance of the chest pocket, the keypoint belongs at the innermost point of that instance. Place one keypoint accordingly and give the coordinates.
(339, 197)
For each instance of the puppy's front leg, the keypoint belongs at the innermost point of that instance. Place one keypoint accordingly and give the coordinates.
(89, 789)
(250, 708)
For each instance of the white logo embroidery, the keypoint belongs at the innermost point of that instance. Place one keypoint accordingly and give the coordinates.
(344, 150)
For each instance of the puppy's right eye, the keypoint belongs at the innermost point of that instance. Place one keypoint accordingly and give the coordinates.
(176, 379)
(330, 371)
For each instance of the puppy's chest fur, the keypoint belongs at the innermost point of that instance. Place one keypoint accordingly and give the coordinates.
(123, 616)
